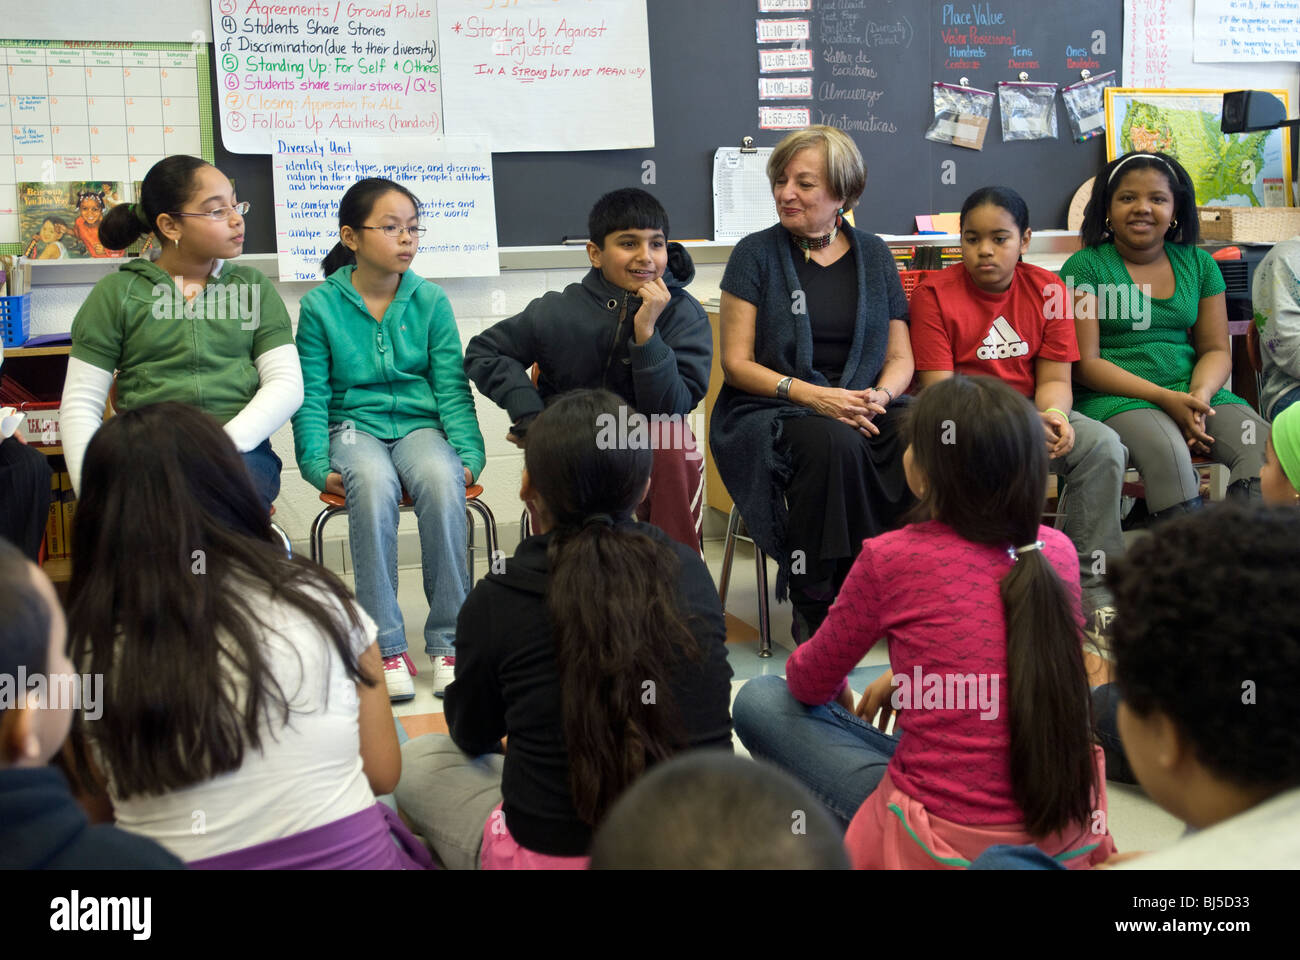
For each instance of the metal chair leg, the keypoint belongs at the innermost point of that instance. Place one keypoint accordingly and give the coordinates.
(469, 541)
(489, 530)
(728, 552)
(283, 538)
(318, 533)
(764, 617)
(760, 571)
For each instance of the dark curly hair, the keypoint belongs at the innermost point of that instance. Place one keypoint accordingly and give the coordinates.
(1206, 605)
(1095, 231)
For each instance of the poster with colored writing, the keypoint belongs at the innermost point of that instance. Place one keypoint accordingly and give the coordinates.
(451, 177)
(325, 68)
(532, 75)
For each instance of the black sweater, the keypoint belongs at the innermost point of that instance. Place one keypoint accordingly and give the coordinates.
(582, 337)
(508, 683)
(43, 828)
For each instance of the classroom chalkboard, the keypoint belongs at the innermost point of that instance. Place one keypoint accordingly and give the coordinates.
(874, 63)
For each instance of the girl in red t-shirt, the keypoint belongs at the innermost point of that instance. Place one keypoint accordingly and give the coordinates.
(995, 314)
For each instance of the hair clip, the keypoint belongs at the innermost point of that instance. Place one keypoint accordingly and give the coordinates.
(1014, 552)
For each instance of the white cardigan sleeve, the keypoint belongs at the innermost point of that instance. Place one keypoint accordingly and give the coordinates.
(85, 390)
(277, 399)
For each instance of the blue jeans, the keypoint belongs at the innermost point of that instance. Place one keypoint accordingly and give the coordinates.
(374, 474)
(264, 470)
(840, 758)
(1284, 401)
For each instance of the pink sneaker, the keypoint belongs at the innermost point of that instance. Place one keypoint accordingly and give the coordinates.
(444, 672)
(397, 675)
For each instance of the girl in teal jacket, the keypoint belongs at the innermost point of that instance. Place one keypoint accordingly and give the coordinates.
(387, 409)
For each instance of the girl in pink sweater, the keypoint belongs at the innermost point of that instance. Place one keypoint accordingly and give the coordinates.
(979, 603)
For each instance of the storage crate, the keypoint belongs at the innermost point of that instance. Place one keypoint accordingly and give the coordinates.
(16, 319)
(911, 279)
(1249, 224)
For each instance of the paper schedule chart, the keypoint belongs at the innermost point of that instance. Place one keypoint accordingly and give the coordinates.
(87, 111)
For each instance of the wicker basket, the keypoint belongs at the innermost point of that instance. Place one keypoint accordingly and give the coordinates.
(1249, 224)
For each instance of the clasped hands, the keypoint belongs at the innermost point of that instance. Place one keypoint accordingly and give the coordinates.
(857, 408)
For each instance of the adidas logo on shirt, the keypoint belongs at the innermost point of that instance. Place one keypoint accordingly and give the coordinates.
(1002, 342)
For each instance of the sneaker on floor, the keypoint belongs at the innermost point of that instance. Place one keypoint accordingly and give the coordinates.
(397, 675)
(1098, 631)
(444, 672)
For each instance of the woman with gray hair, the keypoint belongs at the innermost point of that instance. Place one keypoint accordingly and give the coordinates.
(816, 355)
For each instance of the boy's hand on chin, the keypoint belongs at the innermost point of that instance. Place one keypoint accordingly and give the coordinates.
(654, 298)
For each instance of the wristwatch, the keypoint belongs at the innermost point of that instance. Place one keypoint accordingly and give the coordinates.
(783, 387)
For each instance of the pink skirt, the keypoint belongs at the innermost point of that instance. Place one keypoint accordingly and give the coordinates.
(893, 831)
(501, 852)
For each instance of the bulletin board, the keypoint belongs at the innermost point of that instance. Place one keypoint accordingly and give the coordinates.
(91, 117)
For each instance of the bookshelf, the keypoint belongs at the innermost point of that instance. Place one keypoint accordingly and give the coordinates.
(41, 370)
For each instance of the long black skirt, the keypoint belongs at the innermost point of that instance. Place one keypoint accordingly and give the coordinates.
(845, 488)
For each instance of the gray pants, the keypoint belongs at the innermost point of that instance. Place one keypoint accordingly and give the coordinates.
(448, 796)
(1093, 471)
(1159, 451)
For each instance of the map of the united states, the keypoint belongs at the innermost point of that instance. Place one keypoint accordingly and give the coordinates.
(1224, 169)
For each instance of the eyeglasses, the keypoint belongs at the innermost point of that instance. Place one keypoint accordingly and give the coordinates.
(393, 231)
(221, 213)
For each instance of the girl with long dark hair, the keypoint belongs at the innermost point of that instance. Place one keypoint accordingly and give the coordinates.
(244, 721)
(598, 652)
(979, 603)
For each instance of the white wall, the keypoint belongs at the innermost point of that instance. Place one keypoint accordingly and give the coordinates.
(478, 303)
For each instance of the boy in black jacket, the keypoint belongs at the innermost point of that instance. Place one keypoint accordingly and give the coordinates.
(41, 825)
(629, 327)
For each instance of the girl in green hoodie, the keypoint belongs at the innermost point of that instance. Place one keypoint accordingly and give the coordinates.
(387, 409)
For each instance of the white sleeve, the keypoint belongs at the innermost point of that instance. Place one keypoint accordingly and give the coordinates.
(278, 398)
(85, 390)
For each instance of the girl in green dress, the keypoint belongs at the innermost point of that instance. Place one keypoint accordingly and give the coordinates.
(1152, 326)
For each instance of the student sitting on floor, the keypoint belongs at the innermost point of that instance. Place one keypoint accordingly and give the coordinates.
(979, 603)
(630, 327)
(710, 810)
(246, 722)
(1207, 662)
(41, 825)
(598, 652)
(1279, 486)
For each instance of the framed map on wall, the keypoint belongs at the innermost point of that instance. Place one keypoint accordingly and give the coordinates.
(1228, 170)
